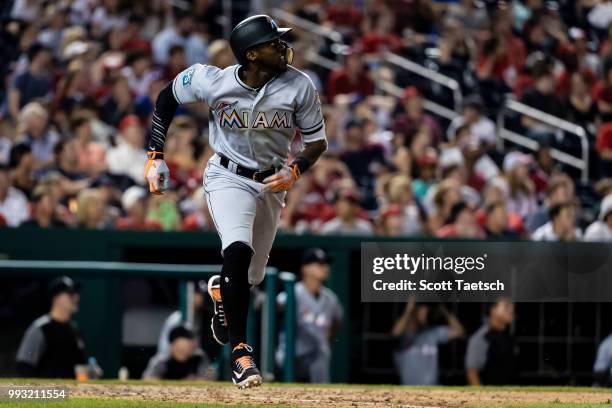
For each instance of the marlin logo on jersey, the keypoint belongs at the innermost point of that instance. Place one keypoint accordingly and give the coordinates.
(188, 77)
(232, 119)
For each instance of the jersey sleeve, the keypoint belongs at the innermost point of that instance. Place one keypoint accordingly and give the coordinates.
(309, 115)
(194, 83)
(476, 354)
(603, 361)
(32, 346)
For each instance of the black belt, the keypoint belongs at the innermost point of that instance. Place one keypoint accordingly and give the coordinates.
(258, 176)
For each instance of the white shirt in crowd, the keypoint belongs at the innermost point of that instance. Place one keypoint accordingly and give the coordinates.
(598, 231)
(547, 233)
(15, 208)
(484, 129)
(127, 160)
(337, 227)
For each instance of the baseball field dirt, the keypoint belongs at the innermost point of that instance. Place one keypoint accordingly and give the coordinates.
(138, 394)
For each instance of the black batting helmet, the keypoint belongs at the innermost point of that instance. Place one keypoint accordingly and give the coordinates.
(253, 31)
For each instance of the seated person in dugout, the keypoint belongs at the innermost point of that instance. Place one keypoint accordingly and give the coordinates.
(52, 345)
(490, 357)
(416, 357)
(186, 361)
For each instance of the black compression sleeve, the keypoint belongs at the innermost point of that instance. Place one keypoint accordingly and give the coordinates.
(165, 107)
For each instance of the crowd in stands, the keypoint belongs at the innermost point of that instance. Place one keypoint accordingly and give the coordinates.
(81, 78)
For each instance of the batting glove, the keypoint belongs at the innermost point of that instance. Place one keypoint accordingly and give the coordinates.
(157, 173)
(283, 180)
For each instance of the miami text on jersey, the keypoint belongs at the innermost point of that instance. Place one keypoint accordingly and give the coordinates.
(232, 119)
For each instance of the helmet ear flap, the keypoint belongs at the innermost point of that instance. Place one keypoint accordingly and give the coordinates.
(288, 53)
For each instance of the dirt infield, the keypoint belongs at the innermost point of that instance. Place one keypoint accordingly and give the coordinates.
(302, 395)
(342, 396)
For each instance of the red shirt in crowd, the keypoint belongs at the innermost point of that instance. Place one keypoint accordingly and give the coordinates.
(340, 83)
(126, 223)
(604, 137)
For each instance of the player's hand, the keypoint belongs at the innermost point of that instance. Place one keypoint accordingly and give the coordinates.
(282, 180)
(157, 174)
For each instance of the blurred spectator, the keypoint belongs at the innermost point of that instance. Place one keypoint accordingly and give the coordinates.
(365, 161)
(392, 221)
(425, 172)
(562, 225)
(90, 155)
(601, 229)
(44, 207)
(107, 16)
(56, 16)
(445, 195)
(352, 78)
(319, 315)
(542, 97)
(412, 119)
(118, 104)
(461, 223)
(14, 206)
(66, 161)
(129, 157)
(418, 337)
(165, 212)
(34, 83)
(52, 344)
(496, 225)
(134, 201)
(309, 202)
(377, 35)
(198, 218)
(220, 55)
(490, 356)
(344, 16)
(181, 33)
(400, 194)
(27, 10)
(177, 62)
(602, 91)
(175, 319)
(186, 361)
(560, 190)
(138, 72)
(580, 107)
(181, 151)
(480, 126)
(91, 210)
(22, 168)
(347, 221)
(34, 130)
(301, 51)
(517, 185)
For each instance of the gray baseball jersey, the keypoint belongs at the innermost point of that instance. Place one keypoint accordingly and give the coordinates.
(250, 126)
(316, 315)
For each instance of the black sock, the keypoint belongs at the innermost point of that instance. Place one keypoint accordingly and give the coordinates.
(235, 290)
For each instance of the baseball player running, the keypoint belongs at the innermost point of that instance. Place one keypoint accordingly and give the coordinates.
(255, 109)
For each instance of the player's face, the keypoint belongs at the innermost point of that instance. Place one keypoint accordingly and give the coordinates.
(272, 55)
(182, 349)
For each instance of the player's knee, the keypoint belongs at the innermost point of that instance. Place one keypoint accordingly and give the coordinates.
(256, 279)
(238, 252)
